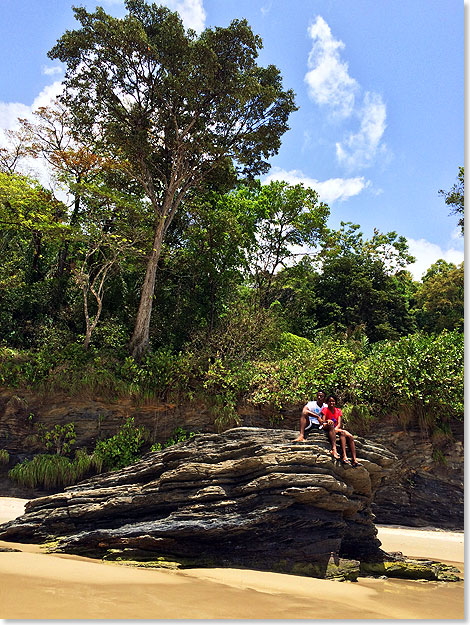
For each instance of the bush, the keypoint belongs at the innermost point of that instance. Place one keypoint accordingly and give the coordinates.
(53, 471)
(4, 456)
(123, 448)
(177, 436)
(421, 374)
(358, 418)
(60, 437)
(303, 368)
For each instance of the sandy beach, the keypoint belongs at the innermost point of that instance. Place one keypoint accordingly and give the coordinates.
(35, 585)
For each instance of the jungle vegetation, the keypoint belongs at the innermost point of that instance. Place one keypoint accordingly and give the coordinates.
(156, 265)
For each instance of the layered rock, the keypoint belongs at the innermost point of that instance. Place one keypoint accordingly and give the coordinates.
(422, 489)
(249, 497)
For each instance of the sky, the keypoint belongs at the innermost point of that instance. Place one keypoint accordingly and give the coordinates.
(379, 85)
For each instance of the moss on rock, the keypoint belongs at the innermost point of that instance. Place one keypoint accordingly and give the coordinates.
(411, 569)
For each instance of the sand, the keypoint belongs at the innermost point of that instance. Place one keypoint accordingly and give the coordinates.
(34, 585)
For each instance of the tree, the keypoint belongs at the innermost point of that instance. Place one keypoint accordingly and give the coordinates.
(357, 285)
(71, 163)
(456, 198)
(172, 107)
(356, 291)
(28, 215)
(289, 218)
(440, 298)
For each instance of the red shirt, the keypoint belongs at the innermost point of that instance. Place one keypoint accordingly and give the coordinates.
(328, 414)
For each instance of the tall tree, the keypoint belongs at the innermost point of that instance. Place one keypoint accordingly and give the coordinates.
(173, 107)
(290, 221)
(440, 298)
(456, 198)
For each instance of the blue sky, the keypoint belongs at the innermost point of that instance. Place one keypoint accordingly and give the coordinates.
(379, 83)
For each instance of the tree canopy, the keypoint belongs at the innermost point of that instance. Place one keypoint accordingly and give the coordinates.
(172, 107)
(455, 198)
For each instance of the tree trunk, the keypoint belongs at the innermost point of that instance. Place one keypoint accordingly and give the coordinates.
(140, 338)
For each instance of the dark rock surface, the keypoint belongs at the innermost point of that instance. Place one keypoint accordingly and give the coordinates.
(421, 490)
(248, 497)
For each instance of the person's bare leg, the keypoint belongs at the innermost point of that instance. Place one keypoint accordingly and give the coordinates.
(332, 436)
(303, 423)
(342, 439)
(352, 447)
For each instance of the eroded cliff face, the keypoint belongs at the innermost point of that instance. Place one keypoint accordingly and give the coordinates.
(419, 491)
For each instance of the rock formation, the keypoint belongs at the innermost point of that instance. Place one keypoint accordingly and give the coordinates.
(421, 490)
(249, 497)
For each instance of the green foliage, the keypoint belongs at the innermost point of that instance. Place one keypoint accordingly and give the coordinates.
(357, 417)
(236, 126)
(123, 448)
(456, 198)
(440, 298)
(4, 456)
(53, 471)
(419, 373)
(329, 364)
(60, 437)
(178, 435)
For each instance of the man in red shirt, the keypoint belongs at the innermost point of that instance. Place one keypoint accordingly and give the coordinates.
(331, 421)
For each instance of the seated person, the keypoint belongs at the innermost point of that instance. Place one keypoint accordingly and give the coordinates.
(331, 421)
(310, 414)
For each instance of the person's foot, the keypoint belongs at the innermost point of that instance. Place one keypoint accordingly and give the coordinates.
(345, 461)
(335, 454)
(299, 439)
(356, 464)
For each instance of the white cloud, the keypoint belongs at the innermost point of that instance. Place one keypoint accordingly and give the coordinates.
(47, 95)
(427, 253)
(266, 9)
(329, 191)
(360, 149)
(51, 70)
(328, 79)
(191, 12)
(330, 85)
(10, 111)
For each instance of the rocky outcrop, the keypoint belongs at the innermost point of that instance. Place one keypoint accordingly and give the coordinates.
(424, 489)
(248, 497)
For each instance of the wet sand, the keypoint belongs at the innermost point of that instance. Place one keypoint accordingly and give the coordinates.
(34, 585)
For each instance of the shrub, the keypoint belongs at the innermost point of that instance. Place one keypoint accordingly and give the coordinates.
(123, 448)
(421, 374)
(358, 418)
(53, 471)
(4, 456)
(60, 437)
(177, 436)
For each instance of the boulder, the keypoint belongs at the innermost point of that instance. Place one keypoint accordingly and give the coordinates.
(249, 497)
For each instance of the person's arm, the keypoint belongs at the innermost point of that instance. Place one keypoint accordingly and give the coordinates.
(306, 412)
(323, 420)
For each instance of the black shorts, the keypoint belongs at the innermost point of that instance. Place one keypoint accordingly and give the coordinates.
(313, 427)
